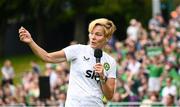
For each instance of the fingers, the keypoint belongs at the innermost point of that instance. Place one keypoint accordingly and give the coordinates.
(97, 65)
(22, 33)
(21, 38)
(22, 29)
(98, 68)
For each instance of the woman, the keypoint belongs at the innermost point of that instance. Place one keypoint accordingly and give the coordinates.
(85, 89)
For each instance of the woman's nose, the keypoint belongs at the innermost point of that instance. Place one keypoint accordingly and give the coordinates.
(92, 36)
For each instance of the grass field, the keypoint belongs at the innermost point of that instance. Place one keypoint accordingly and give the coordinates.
(21, 64)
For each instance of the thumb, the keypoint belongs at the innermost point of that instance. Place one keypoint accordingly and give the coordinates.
(22, 28)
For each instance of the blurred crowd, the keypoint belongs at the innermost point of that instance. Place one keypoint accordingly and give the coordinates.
(148, 68)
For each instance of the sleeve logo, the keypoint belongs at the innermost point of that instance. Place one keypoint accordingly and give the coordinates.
(106, 66)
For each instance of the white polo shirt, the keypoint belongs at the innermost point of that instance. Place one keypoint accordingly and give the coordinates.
(84, 88)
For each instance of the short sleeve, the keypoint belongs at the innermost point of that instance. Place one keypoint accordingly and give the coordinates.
(111, 73)
(71, 52)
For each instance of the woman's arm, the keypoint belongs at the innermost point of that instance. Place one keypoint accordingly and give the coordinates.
(108, 88)
(107, 84)
(54, 57)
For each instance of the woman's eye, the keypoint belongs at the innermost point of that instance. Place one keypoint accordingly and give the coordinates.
(98, 34)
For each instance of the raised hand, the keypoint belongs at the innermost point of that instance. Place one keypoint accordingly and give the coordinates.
(24, 35)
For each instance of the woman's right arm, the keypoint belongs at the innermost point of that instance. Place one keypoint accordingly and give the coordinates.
(53, 57)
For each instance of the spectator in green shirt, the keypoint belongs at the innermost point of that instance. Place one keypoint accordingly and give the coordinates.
(155, 69)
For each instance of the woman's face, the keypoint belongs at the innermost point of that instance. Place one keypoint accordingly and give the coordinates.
(97, 38)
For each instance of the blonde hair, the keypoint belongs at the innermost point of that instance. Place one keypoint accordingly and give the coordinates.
(107, 25)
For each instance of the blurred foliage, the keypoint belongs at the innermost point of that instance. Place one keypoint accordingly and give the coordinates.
(23, 10)
(65, 10)
(43, 16)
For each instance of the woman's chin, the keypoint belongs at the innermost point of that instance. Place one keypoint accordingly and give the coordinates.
(93, 46)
